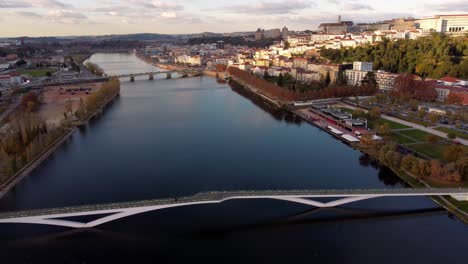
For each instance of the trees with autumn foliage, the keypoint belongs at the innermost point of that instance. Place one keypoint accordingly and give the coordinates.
(274, 91)
(30, 101)
(407, 88)
(28, 136)
(454, 99)
(96, 99)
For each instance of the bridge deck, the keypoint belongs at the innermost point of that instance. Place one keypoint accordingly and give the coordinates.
(228, 195)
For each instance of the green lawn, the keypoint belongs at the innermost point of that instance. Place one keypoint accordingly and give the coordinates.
(393, 125)
(400, 139)
(457, 133)
(38, 72)
(419, 135)
(435, 151)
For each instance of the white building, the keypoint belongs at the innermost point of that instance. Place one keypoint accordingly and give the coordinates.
(386, 80)
(355, 77)
(363, 66)
(450, 24)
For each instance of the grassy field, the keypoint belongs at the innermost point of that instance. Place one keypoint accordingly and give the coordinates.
(435, 151)
(457, 133)
(393, 125)
(400, 139)
(38, 72)
(419, 135)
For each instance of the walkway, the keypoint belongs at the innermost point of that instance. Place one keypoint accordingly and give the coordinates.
(112, 212)
(413, 125)
(423, 128)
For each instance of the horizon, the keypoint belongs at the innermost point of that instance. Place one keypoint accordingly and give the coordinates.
(63, 18)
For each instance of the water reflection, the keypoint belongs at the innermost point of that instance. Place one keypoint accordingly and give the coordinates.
(277, 113)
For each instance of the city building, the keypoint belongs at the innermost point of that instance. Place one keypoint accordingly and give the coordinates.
(450, 24)
(285, 33)
(403, 24)
(272, 33)
(299, 62)
(363, 66)
(340, 27)
(444, 91)
(260, 34)
(220, 44)
(386, 80)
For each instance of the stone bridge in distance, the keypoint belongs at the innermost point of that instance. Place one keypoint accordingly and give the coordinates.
(117, 211)
(169, 73)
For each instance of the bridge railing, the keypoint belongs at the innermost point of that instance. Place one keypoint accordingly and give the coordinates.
(223, 195)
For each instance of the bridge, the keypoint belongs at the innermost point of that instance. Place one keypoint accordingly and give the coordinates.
(183, 73)
(115, 211)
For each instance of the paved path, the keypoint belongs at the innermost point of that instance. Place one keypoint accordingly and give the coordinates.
(423, 128)
(415, 126)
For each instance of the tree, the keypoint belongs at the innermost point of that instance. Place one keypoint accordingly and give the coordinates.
(370, 80)
(281, 80)
(383, 129)
(436, 168)
(266, 75)
(375, 113)
(327, 79)
(287, 45)
(432, 139)
(454, 99)
(433, 117)
(421, 113)
(455, 152)
(30, 101)
(451, 135)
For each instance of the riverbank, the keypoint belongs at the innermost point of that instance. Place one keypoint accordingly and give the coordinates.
(410, 180)
(69, 130)
(171, 67)
(32, 165)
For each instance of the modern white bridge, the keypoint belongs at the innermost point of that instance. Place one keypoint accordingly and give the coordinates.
(117, 211)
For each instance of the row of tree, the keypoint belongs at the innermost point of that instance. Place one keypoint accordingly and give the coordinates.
(455, 170)
(94, 68)
(27, 136)
(433, 56)
(288, 94)
(97, 99)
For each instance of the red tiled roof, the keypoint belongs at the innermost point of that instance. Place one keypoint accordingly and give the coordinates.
(449, 79)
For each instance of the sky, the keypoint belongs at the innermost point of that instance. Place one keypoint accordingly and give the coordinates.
(85, 17)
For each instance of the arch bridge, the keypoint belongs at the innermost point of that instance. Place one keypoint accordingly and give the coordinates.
(117, 211)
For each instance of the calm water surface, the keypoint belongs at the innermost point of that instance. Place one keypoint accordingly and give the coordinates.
(168, 138)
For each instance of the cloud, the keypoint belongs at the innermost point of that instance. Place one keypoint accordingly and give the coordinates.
(63, 13)
(27, 14)
(168, 15)
(449, 6)
(157, 5)
(265, 7)
(14, 4)
(356, 7)
(33, 3)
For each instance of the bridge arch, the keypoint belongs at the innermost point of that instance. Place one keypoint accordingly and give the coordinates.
(118, 211)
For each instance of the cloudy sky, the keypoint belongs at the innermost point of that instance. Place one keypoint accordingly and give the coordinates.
(87, 17)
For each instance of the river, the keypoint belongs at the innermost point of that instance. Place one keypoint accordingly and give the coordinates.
(169, 138)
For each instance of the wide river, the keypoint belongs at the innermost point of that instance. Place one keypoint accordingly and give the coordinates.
(168, 138)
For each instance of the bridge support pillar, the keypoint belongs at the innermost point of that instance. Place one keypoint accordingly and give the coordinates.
(151, 77)
(132, 78)
(168, 75)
